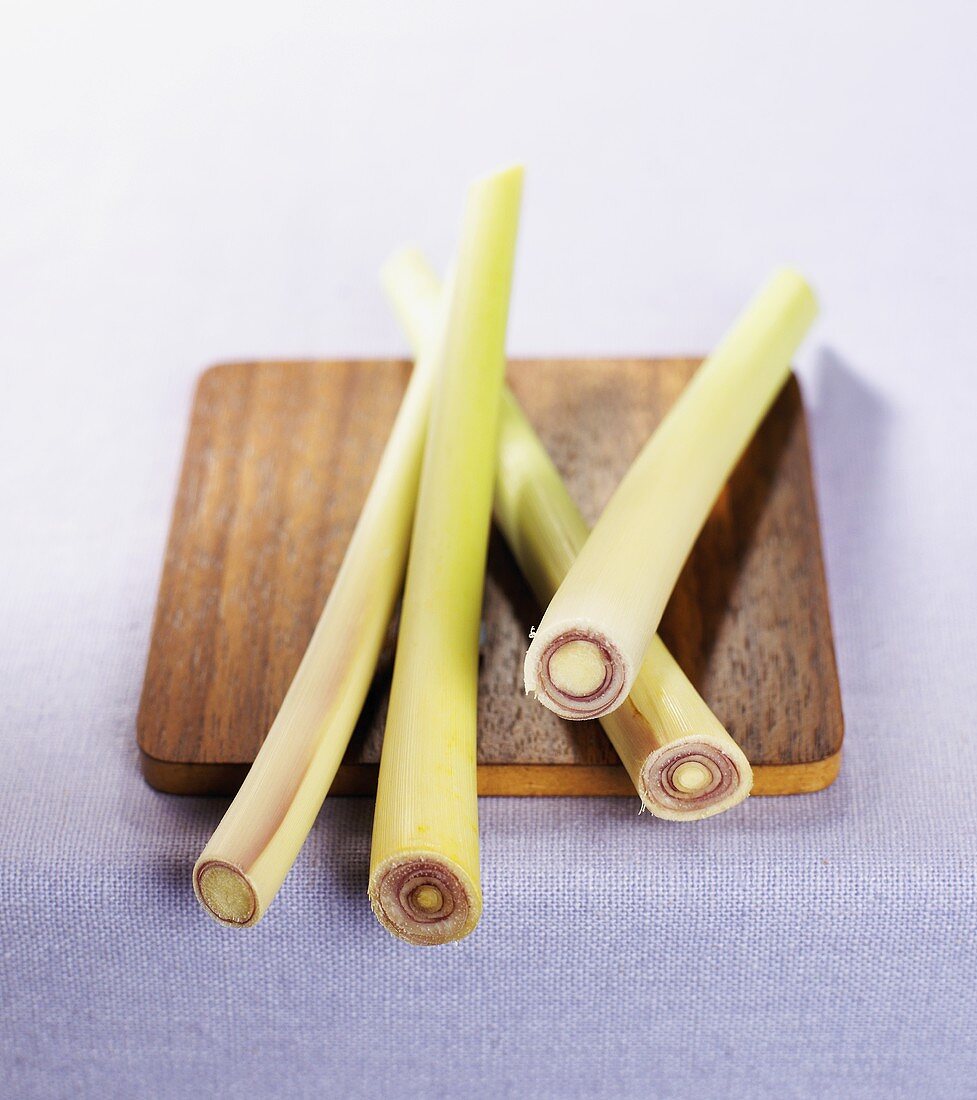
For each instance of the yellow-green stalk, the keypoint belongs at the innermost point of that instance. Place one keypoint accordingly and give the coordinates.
(255, 845)
(683, 763)
(425, 885)
(598, 627)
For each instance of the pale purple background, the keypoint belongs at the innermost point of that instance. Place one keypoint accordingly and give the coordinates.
(181, 183)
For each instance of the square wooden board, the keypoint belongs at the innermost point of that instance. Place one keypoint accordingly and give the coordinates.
(278, 461)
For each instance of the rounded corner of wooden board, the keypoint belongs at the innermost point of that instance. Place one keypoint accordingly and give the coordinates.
(178, 777)
(789, 779)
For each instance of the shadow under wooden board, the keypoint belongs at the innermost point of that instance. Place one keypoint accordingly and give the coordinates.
(278, 461)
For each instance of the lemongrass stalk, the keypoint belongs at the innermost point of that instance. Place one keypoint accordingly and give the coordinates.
(244, 864)
(683, 763)
(425, 885)
(595, 633)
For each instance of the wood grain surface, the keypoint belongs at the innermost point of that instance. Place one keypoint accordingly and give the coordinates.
(278, 461)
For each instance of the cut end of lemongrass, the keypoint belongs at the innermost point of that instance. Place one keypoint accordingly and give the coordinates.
(579, 674)
(226, 893)
(626, 569)
(694, 778)
(424, 900)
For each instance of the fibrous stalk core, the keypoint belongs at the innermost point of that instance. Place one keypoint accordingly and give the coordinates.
(226, 893)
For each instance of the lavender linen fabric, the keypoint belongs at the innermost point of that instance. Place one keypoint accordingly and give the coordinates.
(186, 183)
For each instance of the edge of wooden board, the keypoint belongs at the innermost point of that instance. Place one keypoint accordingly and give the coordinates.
(499, 780)
(548, 780)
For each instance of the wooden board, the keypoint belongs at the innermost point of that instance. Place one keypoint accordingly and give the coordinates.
(278, 461)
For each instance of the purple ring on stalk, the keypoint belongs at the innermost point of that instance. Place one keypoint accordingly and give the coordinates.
(422, 900)
(660, 771)
(605, 697)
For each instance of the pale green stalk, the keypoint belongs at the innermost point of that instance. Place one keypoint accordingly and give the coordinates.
(683, 763)
(255, 845)
(598, 627)
(424, 868)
